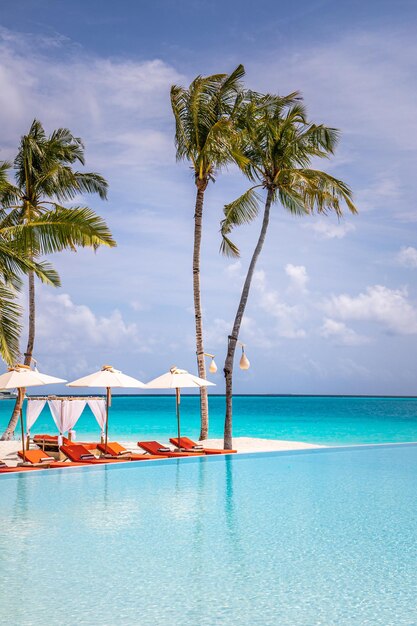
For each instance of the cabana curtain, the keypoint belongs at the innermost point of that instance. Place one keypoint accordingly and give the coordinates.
(66, 413)
(34, 409)
(98, 408)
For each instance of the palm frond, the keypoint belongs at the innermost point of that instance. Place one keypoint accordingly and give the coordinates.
(14, 261)
(10, 326)
(46, 273)
(322, 192)
(278, 143)
(228, 248)
(243, 210)
(203, 120)
(62, 228)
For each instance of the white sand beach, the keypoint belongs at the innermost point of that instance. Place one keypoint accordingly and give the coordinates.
(8, 449)
(253, 444)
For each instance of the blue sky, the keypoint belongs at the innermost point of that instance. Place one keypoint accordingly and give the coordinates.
(334, 304)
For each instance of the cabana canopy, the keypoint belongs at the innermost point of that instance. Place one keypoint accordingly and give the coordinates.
(66, 411)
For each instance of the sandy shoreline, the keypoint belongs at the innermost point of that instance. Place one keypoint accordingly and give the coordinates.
(8, 449)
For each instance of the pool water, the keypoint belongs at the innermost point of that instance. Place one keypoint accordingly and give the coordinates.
(325, 537)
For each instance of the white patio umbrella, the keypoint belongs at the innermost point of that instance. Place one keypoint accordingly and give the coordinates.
(178, 379)
(21, 376)
(107, 377)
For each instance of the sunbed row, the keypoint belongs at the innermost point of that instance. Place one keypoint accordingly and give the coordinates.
(79, 454)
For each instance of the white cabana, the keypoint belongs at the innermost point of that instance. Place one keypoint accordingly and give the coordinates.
(65, 411)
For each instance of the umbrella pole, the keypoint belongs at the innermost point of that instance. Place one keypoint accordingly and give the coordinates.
(22, 395)
(178, 400)
(108, 403)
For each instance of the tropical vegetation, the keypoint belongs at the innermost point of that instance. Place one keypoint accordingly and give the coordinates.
(36, 221)
(205, 137)
(217, 123)
(278, 144)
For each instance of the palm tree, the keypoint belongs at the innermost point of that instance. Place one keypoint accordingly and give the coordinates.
(44, 179)
(279, 145)
(204, 137)
(13, 263)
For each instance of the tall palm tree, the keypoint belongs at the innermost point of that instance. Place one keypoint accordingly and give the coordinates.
(13, 263)
(44, 179)
(279, 144)
(204, 136)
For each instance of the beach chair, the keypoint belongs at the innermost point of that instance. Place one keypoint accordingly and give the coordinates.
(80, 454)
(39, 458)
(6, 469)
(51, 442)
(115, 450)
(192, 446)
(154, 447)
(9, 470)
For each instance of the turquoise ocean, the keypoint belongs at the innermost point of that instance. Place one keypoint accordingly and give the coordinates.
(331, 420)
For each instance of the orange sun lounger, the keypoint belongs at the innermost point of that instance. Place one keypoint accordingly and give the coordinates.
(39, 439)
(6, 469)
(51, 442)
(192, 446)
(80, 454)
(154, 447)
(40, 458)
(114, 449)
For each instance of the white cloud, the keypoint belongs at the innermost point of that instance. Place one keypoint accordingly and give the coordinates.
(388, 307)
(138, 306)
(251, 332)
(382, 193)
(255, 334)
(346, 78)
(215, 334)
(408, 257)
(233, 269)
(71, 338)
(348, 368)
(73, 322)
(326, 229)
(340, 333)
(298, 276)
(286, 316)
(120, 107)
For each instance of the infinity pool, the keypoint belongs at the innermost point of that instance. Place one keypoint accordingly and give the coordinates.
(323, 537)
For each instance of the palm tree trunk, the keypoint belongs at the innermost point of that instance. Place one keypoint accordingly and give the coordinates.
(9, 432)
(233, 338)
(198, 220)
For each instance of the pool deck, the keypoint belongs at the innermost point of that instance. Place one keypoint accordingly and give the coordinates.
(8, 449)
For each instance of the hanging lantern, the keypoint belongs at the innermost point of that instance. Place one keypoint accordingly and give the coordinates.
(213, 366)
(244, 362)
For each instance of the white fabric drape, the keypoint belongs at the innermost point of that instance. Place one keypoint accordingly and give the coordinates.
(66, 413)
(34, 408)
(98, 408)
